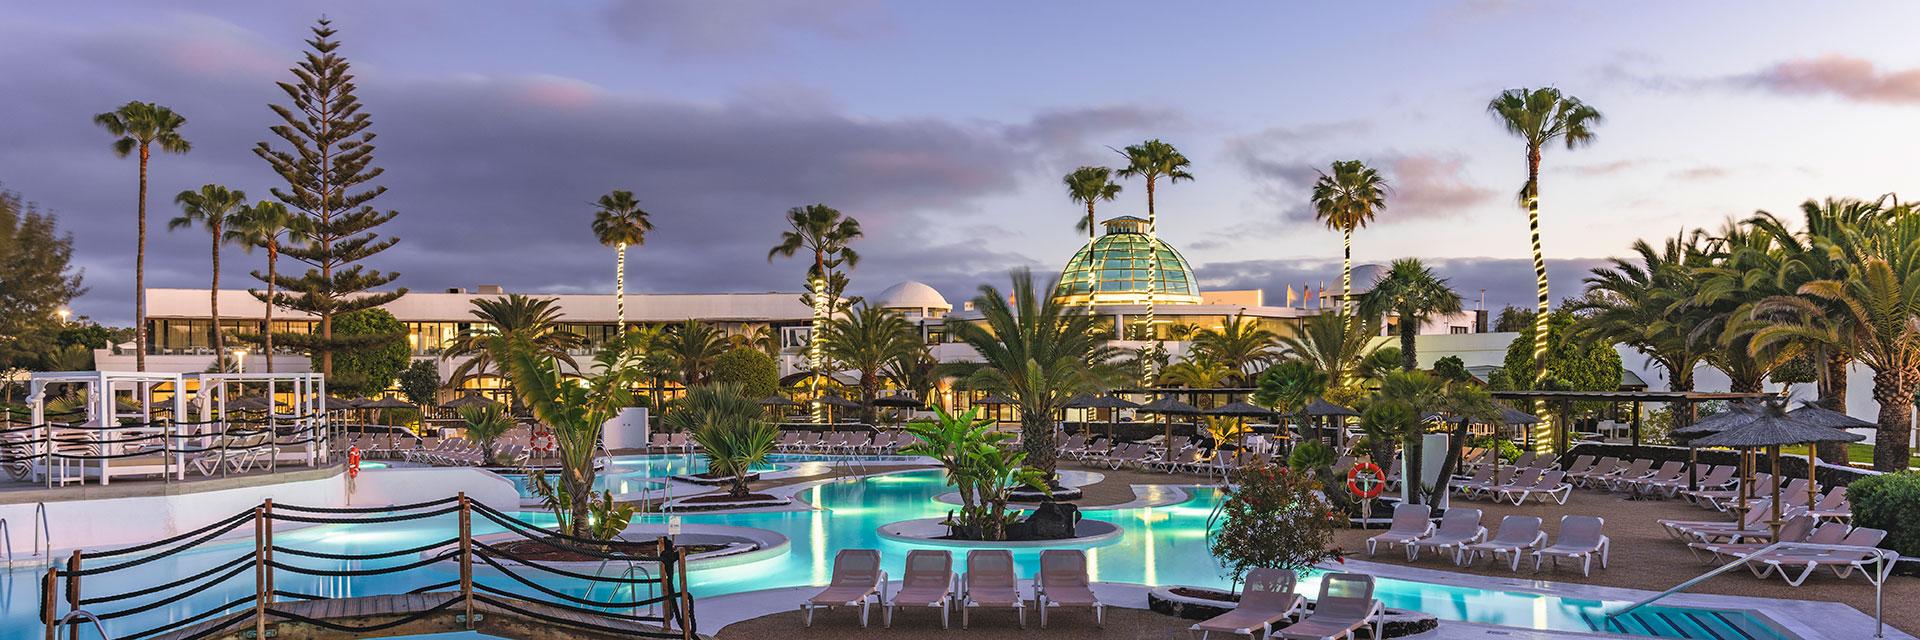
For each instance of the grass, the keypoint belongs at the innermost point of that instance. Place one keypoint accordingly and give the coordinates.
(1858, 454)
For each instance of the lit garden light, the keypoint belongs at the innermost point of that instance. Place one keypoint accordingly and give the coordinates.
(240, 360)
(64, 314)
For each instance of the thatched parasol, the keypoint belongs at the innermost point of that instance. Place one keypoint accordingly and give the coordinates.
(1168, 406)
(899, 401)
(1110, 403)
(1772, 427)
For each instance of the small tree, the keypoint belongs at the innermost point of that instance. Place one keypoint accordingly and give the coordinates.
(1271, 519)
(378, 352)
(420, 382)
(757, 375)
(726, 424)
(966, 446)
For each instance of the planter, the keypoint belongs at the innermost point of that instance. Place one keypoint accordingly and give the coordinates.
(707, 481)
(932, 531)
(715, 502)
(1200, 603)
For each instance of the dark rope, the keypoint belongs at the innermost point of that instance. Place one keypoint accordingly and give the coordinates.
(163, 542)
(579, 624)
(558, 571)
(398, 507)
(193, 619)
(379, 519)
(564, 596)
(173, 598)
(159, 588)
(364, 556)
(354, 573)
(134, 563)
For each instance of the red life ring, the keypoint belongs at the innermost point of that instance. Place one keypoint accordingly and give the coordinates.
(1376, 485)
(542, 440)
(353, 462)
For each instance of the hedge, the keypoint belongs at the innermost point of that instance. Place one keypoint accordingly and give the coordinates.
(1889, 502)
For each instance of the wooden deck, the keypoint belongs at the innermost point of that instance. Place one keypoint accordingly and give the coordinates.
(375, 610)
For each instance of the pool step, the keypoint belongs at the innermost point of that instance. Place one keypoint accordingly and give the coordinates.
(1680, 622)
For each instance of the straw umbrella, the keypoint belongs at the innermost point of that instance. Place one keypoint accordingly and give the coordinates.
(1818, 415)
(995, 400)
(1112, 405)
(1738, 415)
(1168, 406)
(1772, 427)
(836, 401)
(899, 401)
(387, 403)
(1320, 408)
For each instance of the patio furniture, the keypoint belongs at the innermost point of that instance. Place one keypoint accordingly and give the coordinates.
(1411, 522)
(1549, 485)
(1062, 581)
(990, 582)
(856, 579)
(1581, 539)
(1345, 606)
(928, 583)
(1267, 599)
(1517, 535)
(1460, 527)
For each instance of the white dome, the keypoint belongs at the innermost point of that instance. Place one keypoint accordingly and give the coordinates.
(911, 295)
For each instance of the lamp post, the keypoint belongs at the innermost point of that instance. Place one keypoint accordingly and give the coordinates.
(240, 360)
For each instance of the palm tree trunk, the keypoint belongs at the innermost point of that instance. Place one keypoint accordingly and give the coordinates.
(620, 289)
(1090, 222)
(273, 257)
(1832, 384)
(816, 338)
(1409, 326)
(1346, 272)
(1893, 389)
(1153, 280)
(219, 341)
(1036, 438)
(1540, 287)
(140, 272)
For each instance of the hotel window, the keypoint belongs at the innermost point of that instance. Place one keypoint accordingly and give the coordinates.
(1458, 330)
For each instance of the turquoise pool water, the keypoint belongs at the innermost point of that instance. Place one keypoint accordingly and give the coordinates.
(632, 474)
(1161, 545)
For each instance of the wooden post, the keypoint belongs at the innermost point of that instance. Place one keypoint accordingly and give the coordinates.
(686, 597)
(466, 556)
(73, 592)
(50, 603)
(663, 549)
(261, 571)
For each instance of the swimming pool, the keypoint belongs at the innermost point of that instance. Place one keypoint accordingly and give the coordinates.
(1160, 545)
(633, 474)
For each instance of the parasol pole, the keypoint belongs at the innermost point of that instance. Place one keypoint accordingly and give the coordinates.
(1813, 480)
(1773, 454)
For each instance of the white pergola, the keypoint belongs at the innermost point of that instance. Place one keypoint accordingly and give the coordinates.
(98, 443)
(306, 407)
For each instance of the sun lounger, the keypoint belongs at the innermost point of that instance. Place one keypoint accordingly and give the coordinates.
(990, 582)
(1801, 528)
(1668, 473)
(1268, 598)
(1706, 476)
(1517, 536)
(1345, 606)
(1842, 562)
(1581, 463)
(1833, 506)
(1460, 527)
(1062, 581)
(1724, 496)
(1549, 485)
(1580, 539)
(1639, 468)
(1629, 480)
(1607, 466)
(1521, 477)
(1411, 522)
(928, 583)
(856, 579)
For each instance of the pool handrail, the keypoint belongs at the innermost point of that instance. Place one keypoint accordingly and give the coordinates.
(1884, 561)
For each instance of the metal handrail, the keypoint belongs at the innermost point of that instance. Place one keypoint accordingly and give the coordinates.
(1884, 560)
(40, 522)
(7, 538)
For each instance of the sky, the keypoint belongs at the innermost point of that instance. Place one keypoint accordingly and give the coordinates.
(945, 128)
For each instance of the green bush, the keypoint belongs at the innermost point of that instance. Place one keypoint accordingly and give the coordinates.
(1271, 519)
(1508, 450)
(378, 355)
(1889, 502)
(756, 372)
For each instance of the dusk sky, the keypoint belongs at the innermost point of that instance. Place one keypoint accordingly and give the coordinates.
(945, 128)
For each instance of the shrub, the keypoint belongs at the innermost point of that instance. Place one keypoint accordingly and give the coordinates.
(485, 424)
(1271, 519)
(756, 373)
(726, 423)
(1889, 502)
(1508, 450)
(379, 352)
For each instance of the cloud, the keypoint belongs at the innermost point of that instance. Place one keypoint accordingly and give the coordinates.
(1700, 173)
(734, 27)
(1841, 76)
(1429, 187)
(1600, 169)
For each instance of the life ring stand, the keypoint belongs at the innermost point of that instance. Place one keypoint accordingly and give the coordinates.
(542, 441)
(353, 462)
(1372, 489)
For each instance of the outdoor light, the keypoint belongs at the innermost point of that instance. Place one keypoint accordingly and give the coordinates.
(240, 360)
(64, 313)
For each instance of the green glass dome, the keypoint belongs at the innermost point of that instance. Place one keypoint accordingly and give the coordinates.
(1113, 269)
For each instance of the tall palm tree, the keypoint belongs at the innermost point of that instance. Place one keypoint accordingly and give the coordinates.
(1334, 345)
(866, 340)
(1087, 185)
(1411, 291)
(212, 206)
(1038, 352)
(824, 232)
(1346, 200)
(617, 223)
(139, 126)
(693, 347)
(1539, 117)
(1733, 274)
(1240, 344)
(503, 321)
(1877, 306)
(1648, 306)
(267, 224)
(1153, 160)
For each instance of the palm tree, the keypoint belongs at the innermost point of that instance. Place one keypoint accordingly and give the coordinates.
(866, 340)
(1346, 200)
(1877, 306)
(824, 232)
(1411, 291)
(1539, 117)
(1087, 185)
(1725, 296)
(1038, 353)
(1239, 344)
(212, 206)
(728, 427)
(502, 321)
(1153, 160)
(573, 408)
(267, 224)
(1334, 345)
(619, 222)
(1197, 373)
(693, 347)
(140, 125)
(758, 337)
(1648, 306)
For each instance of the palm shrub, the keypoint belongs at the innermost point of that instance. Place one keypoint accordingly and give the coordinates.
(1271, 519)
(728, 426)
(985, 474)
(1412, 292)
(866, 339)
(575, 409)
(485, 424)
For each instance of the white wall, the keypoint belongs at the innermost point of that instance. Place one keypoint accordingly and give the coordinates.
(123, 521)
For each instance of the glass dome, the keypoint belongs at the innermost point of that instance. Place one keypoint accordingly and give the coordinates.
(1113, 269)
